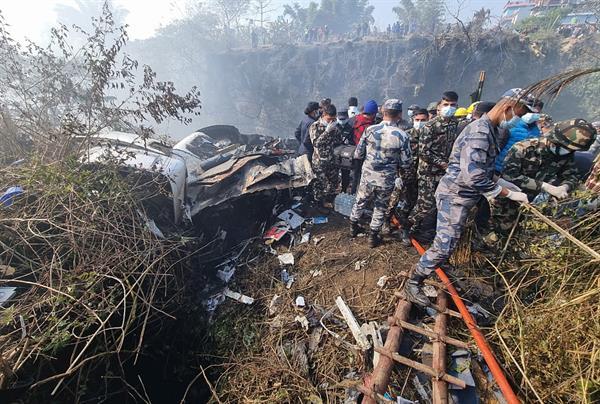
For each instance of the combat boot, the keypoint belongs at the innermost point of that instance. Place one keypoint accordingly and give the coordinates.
(374, 239)
(405, 238)
(413, 290)
(355, 229)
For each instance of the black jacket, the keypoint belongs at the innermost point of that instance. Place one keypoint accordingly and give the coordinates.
(303, 137)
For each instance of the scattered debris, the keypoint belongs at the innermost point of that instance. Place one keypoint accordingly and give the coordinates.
(319, 220)
(226, 273)
(6, 293)
(358, 265)
(316, 272)
(303, 321)
(300, 302)
(276, 232)
(305, 238)
(238, 296)
(7, 198)
(430, 291)
(360, 338)
(381, 282)
(292, 219)
(317, 240)
(286, 259)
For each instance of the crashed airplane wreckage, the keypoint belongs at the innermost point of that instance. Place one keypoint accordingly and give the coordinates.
(208, 167)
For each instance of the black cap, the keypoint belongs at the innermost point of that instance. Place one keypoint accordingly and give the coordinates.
(353, 102)
(343, 114)
(311, 107)
(420, 111)
(484, 107)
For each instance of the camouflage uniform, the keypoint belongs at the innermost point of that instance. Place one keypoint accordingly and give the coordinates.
(385, 149)
(528, 164)
(327, 174)
(407, 191)
(435, 144)
(470, 175)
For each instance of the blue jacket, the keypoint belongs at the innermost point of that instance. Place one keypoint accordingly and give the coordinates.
(303, 137)
(522, 131)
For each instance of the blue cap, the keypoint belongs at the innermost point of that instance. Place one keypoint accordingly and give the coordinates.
(370, 107)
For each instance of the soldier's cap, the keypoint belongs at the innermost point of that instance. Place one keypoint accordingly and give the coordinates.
(596, 124)
(393, 104)
(574, 134)
(527, 100)
(433, 106)
(484, 107)
(343, 114)
(414, 107)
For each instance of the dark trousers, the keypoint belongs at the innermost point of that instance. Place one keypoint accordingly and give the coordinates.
(356, 171)
(345, 179)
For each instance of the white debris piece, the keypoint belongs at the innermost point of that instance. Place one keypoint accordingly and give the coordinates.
(213, 302)
(305, 238)
(382, 281)
(316, 272)
(293, 219)
(372, 329)
(303, 321)
(290, 282)
(226, 273)
(358, 265)
(300, 302)
(286, 259)
(317, 240)
(6, 293)
(238, 296)
(359, 336)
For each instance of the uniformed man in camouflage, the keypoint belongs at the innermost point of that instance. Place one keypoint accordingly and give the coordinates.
(325, 136)
(543, 164)
(385, 149)
(435, 144)
(406, 190)
(469, 177)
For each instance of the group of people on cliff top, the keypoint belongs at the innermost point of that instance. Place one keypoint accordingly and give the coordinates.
(424, 172)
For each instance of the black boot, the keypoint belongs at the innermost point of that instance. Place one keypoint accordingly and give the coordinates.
(405, 238)
(355, 228)
(414, 291)
(374, 239)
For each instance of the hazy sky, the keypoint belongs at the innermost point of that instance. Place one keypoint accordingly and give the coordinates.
(32, 18)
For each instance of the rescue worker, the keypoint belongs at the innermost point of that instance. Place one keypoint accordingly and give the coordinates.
(406, 189)
(543, 164)
(469, 177)
(312, 114)
(353, 107)
(435, 144)
(411, 112)
(432, 109)
(526, 128)
(325, 136)
(361, 123)
(347, 134)
(384, 148)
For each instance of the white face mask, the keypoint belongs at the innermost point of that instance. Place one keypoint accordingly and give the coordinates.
(561, 151)
(418, 124)
(342, 121)
(448, 111)
(530, 117)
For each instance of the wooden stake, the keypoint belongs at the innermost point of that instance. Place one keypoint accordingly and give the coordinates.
(421, 367)
(434, 335)
(440, 388)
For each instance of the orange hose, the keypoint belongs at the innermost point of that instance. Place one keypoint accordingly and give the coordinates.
(478, 336)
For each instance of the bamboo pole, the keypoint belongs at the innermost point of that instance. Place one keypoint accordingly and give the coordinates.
(440, 387)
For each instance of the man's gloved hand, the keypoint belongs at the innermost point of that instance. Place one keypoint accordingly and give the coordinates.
(517, 197)
(557, 192)
(331, 127)
(508, 185)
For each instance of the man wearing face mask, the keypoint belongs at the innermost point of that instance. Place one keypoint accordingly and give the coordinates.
(312, 114)
(435, 144)
(385, 149)
(405, 188)
(543, 164)
(469, 177)
(526, 128)
(325, 136)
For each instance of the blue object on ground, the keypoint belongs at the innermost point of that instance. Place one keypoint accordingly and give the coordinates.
(7, 198)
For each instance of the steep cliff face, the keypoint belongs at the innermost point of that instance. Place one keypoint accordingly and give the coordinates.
(265, 90)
